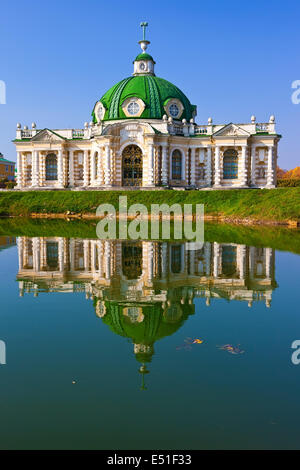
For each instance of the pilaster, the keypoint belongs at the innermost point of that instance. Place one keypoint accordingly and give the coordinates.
(217, 167)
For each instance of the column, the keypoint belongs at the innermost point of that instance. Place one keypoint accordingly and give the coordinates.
(107, 176)
(242, 261)
(164, 266)
(60, 175)
(100, 257)
(19, 170)
(37, 168)
(93, 256)
(107, 256)
(33, 168)
(20, 244)
(207, 255)
(270, 174)
(251, 261)
(150, 261)
(99, 171)
(72, 254)
(61, 254)
(268, 255)
(216, 259)
(85, 168)
(243, 167)
(208, 166)
(36, 254)
(86, 254)
(150, 165)
(253, 165)
(24, 168)
(71, 168)
(193, 173)
(217, 167)
(164, 167)
(93, 168)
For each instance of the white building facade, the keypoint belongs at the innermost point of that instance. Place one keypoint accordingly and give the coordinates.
(144, 135)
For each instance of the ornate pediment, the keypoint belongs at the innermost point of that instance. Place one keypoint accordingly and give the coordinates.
(46, 135)
(231, 130)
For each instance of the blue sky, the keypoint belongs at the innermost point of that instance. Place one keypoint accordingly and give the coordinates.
(231, 58)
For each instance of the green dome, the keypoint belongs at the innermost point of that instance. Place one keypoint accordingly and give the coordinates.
(155, 93)
(156, 324)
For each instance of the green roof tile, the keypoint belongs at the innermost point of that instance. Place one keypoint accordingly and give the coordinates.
(154, 91)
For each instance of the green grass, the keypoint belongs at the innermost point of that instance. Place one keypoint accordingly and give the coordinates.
(274, 204)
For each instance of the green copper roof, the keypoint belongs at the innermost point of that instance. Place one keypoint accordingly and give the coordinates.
(154, 91)
(144, 56)
(155, 325)
(3, 160)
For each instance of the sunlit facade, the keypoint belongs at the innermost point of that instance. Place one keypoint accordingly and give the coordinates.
(144, 134)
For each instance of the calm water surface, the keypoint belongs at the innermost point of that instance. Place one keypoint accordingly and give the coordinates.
(117, 345)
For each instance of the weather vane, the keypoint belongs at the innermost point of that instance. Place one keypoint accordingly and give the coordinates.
(144, 25)
(144, 43)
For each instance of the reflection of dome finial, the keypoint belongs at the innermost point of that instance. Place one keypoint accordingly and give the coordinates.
(143, 370)
(144, 43)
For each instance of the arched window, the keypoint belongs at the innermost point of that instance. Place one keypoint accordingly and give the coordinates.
(176, 165)
(230, 164)
(132, 166)
(52, 254)
(51, 167)
(132, 260)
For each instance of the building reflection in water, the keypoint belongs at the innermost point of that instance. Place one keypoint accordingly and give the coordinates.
(145, 290)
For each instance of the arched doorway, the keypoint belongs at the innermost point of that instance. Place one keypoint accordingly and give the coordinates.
(229, 260)
(132, 260)
(230, 164)
(132, 166)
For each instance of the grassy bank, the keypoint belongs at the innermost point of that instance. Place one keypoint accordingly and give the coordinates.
(279, 238)
(279, 205)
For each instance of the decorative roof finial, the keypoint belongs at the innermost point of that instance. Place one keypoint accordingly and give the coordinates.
(144, 25)
(144, 43)
(143, 370)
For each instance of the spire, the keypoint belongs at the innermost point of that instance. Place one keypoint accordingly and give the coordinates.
(144, 43)
(144, 25)
(143, 370)
(144, 63)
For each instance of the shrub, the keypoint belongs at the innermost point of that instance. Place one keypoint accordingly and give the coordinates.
(10, 184)
(3, 182)
(288, 183)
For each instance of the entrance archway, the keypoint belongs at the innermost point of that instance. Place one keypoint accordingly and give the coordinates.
(230, 164)
(132, 166)
(132, 260)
